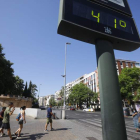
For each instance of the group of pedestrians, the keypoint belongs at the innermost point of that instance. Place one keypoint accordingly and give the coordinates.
(5, 120)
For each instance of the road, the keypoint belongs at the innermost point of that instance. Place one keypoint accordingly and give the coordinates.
(93, 120)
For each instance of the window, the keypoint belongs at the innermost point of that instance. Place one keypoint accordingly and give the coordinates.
(120, 62)
(126, 64)
(137, 64)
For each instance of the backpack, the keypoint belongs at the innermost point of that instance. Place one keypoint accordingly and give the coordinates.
(18, 116)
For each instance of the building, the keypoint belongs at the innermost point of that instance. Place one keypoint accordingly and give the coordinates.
(42, 101)
(48, 99)
(57, 96)
(91, 80)
(120, 64)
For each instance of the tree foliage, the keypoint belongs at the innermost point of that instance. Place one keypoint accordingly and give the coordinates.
(81, 93)
(19, 86)
(52, 101)
(7, 78)
(30, 91)
(129, 82)
(10, 84)
(61, 94)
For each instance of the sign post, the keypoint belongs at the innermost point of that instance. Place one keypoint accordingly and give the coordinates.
(113, 125)
(109, 25)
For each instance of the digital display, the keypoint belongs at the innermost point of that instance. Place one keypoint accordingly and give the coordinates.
(118, 5)
(101, 17)
(89, 20)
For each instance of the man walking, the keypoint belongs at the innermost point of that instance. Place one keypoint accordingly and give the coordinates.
(1, 118)
(6, 119)
(49, 119)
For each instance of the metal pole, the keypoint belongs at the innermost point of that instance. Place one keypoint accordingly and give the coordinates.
(113, 124)
(65, 74)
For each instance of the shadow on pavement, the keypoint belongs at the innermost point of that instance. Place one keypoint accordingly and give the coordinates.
(61, 129)
(32, 136)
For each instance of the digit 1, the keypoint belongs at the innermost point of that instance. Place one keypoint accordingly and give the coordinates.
(121, 21)
(98, 17)
(115, 23)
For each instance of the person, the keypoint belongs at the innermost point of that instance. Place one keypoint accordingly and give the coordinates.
(136, 117)
(22, 118)
(6, 119)
(49, 119)
(1, 118)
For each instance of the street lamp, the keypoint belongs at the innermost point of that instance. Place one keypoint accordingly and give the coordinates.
(65, 76)
(39, 92)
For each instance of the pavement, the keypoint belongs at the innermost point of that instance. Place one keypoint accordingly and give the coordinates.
(64, 130)
(77, 126)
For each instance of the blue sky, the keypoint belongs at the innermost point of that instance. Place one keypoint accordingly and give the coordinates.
(28, 33)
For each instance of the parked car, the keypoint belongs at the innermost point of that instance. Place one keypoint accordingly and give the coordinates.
(88, 109)
(72, 108)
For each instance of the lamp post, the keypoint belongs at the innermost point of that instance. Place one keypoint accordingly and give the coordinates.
(63, 113)
(39, 92)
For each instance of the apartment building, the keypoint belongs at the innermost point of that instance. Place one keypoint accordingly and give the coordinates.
(48, 99)
(120, 64)
(91, 80)
(57, 98)
(42, 101)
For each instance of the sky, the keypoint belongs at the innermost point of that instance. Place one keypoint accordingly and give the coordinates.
(28, 34)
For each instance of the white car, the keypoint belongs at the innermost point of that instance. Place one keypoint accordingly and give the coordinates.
(88, 109)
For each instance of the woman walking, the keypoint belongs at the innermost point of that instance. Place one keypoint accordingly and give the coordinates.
(22, 118)
(136, 118)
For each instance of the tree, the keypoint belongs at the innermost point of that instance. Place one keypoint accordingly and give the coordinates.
(129, 82)
(7, 79)
(61, 94)
(52, 101)
(34, 90)
(60, 103)
(80, 93)
(25, 93)
(19, 86)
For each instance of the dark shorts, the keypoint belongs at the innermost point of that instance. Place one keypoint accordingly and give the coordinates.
(49, 120)
(5, 125)
(0, 124)
(20, 122)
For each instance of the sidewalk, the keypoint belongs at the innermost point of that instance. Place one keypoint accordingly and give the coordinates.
(64, 130)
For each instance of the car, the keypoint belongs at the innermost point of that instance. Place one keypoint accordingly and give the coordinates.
(72, 108)
(88, 109)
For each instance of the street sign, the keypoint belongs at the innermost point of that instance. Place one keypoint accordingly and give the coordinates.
(119, 5)
(88, 21)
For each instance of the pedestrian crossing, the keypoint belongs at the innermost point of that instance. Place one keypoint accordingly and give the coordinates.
(131, 131)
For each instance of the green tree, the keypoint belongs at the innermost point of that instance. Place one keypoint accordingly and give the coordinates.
(60, 103)
(34, 90)
(19, 86)
(7, 79)
(80, 93)
(61, 94)
(52, 101)
(25, 93)
(129, 82)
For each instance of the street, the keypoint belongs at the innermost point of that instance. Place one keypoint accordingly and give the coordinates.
(93, 121)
